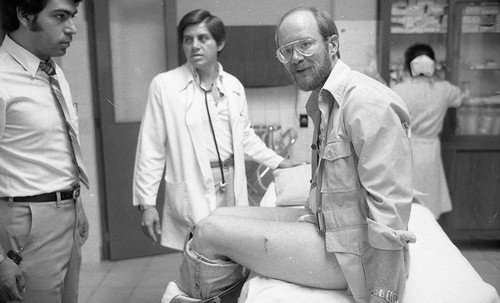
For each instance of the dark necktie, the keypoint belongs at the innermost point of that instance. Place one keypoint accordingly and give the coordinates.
(50, 69)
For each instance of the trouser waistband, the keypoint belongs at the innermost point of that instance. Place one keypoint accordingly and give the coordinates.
(229, 162)
(47, 197)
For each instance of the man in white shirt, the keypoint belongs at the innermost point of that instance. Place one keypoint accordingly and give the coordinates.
(42, 221)
(196, 129)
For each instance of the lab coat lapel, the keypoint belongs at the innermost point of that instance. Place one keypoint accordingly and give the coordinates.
(194, 110)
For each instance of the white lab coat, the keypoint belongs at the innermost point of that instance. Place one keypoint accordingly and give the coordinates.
(171, 138)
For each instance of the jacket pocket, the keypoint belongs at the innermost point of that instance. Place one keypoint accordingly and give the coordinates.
(349, 239)
(340, 173)
(178, 200)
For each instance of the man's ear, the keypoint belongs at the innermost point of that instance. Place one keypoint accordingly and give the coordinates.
(333, 44)
(24, 18)
(220, 47)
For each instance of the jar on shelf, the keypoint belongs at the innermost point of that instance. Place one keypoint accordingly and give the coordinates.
(468, 117)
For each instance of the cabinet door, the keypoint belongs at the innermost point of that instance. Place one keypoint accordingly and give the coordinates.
(474, 178)
(477, 67)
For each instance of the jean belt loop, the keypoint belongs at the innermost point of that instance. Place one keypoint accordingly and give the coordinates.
(11, 201)
(58, 200)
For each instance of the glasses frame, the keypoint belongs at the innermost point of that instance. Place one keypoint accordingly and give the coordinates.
(281, 58)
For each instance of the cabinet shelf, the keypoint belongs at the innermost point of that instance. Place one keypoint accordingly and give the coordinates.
(419, 33)
(478, 69)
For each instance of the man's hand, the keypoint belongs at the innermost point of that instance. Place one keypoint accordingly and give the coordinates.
(290, 163)
(11, 281)
(151, 223)
(82, 222)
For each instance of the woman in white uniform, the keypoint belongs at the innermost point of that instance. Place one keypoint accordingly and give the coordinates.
(428, 98)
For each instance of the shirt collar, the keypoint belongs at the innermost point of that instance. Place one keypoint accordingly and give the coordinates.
(196, 78)
(25, 58)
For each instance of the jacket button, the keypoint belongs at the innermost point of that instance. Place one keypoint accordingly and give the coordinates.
(314, 146)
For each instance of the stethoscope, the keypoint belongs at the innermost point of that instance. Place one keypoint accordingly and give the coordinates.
(222, 185)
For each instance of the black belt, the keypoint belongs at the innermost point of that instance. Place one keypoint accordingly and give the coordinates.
(47, 197)
(229, 162)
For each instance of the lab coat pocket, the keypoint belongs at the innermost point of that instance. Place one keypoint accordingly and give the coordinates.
(178, 202)
(340, 173)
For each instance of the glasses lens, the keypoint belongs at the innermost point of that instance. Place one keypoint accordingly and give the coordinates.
(303, 47)
(284, 53)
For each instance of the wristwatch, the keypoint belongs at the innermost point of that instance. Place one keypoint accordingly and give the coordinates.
(143, 207)
(388, 295)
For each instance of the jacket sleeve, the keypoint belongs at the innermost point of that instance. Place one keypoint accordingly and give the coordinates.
(379, 132)
(151, 149)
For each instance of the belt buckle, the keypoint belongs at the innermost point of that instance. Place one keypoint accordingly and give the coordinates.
(320, 217)
(76, 192)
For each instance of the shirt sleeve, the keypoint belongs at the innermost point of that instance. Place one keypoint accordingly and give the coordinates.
(455, 96)
(379, 130)
(151, 150)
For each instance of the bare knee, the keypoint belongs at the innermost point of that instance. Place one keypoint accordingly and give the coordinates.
(205, 234)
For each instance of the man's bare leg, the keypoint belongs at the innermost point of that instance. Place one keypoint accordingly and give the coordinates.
(270, 242)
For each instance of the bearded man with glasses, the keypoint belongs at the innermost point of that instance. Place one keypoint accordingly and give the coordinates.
(353, 231)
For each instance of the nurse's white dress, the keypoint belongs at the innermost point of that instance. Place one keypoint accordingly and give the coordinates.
(428, 100)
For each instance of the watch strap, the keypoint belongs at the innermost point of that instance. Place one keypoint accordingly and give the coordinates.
(388, 295)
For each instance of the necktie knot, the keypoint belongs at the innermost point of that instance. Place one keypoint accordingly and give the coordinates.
(48, 67)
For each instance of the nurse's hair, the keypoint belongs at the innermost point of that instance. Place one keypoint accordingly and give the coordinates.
(214, 24)
(416, 50)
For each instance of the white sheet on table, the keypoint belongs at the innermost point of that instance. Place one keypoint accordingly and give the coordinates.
(439, 273)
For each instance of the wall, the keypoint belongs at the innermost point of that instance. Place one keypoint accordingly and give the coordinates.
(355, 18)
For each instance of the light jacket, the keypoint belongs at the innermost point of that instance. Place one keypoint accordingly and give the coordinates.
(171, 140)
(366, 186)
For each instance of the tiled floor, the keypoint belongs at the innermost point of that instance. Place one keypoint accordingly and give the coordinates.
(143, 280)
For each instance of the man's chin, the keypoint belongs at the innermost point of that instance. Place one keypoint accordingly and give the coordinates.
(305, 85)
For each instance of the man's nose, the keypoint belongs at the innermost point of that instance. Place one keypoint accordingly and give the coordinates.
(296, 56)
(196, 43)
(70, 27)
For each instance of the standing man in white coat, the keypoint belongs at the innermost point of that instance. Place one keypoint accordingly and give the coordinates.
(195, 129)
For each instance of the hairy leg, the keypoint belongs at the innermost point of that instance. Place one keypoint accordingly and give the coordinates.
(281, 249)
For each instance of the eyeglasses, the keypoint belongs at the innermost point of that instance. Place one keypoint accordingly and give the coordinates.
(305, 47)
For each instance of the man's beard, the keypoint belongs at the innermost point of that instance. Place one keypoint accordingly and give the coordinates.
(319, 79)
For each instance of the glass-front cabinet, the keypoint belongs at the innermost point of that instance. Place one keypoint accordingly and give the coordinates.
(478, 68)
(465, 35)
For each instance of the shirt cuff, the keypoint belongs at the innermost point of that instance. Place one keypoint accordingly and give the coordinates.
(276, 162)
(383, 237)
